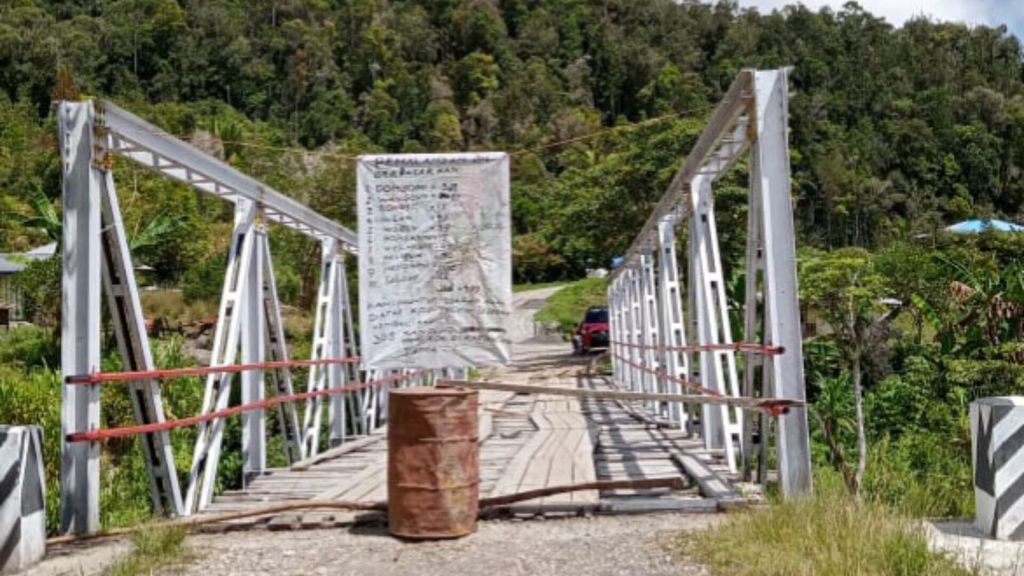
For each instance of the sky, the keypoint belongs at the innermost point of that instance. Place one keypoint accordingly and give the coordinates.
(987, 12)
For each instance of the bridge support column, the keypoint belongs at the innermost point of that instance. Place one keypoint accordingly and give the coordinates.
(722, 424)
(350, 347)
(636, 354)
(615, 327)
(80, 317)
(277, 350)
(206, 455)
(673, 333)
(772, 196)
(254, 339)
(649, 334)
(329, 330)
(133, 345)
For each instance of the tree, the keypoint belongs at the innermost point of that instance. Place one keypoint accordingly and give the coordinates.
(847, 290)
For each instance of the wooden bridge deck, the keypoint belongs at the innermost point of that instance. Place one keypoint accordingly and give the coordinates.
(527, 441)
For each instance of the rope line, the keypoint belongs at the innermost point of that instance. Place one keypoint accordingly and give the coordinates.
(661, 373)
(100, 377)
(765, 349)
(517, 152)
(773, 406)
(95, 435)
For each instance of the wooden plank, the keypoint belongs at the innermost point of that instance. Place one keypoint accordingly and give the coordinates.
(346, 483)
(345, 448)
(513, 476)
(711, 485)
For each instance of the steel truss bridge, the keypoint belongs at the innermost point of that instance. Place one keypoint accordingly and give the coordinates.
(681, 388)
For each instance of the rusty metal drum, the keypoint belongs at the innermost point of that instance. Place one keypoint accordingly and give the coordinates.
(433, 462)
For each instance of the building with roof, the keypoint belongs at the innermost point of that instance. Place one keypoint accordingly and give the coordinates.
(11, 265)
(980, 225)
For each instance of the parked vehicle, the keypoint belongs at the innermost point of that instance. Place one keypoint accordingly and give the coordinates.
(592, 331)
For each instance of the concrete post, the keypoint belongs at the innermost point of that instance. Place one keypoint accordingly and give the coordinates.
(22, 498)
(997, 431)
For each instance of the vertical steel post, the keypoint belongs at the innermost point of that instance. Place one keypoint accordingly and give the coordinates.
(80, 317)
(254, 338)
(326, 306)
(614, 328)
(636, 332)
(336, 349)
(129, 325)
(649, 333)
(277, 350)
(673, 332)
(770, 174)
(352, 374)
(217, 395)
(623, 312)
(723, 424)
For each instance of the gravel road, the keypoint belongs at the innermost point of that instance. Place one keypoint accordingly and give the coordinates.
(598, 546)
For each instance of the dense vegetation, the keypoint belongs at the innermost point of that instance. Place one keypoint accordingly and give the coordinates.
(825, 535)
(895, 132)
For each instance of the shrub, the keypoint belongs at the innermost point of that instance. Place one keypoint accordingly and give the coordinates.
(29, 347)
(40, 283)
(829, 534)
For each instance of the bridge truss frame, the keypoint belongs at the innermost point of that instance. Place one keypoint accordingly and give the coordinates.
(96, 261)
(752, 117)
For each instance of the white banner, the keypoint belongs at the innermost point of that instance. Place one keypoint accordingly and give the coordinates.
(435, 260)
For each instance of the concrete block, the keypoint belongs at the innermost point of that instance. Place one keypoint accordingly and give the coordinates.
(997, 450)
(22, 498)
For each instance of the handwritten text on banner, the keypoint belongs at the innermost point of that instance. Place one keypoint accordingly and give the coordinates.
(435, 260)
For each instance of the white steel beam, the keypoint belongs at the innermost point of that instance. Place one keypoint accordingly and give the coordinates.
(129, 325)
(649, 334)
(147, 144)
(323, 331)
(80, 317)
(717, 148)
(636, 376)
(277, 349)
(770, 173)
(673, 331)
(254, 340)
(217, 395)
(722, 424)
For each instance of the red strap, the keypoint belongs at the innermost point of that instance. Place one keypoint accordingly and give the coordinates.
(193, 420)
(98, 377)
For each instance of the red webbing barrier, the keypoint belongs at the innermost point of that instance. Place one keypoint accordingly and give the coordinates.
(765, 349)
(217, 414)
(774, 407)
(99, 377)
(688, 384)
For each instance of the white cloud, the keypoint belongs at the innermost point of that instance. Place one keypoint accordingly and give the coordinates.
(973, 12)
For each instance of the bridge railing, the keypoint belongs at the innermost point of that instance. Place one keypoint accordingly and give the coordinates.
(651, 326)
(249, 338)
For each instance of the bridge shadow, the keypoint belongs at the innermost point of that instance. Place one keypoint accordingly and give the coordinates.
(610, 421)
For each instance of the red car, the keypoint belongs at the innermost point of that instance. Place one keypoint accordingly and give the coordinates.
(592, 332)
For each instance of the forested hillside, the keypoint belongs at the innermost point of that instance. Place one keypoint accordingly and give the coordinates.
(894, 131)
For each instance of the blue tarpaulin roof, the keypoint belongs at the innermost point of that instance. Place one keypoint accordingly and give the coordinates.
(976, 226)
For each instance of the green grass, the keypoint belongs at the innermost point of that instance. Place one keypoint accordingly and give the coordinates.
(831, 534)
(525, 287)
(154, 546)
(568, 304)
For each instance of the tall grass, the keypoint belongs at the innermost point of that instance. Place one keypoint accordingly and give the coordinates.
(830, 534)
(568, 304)
(154, 546)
